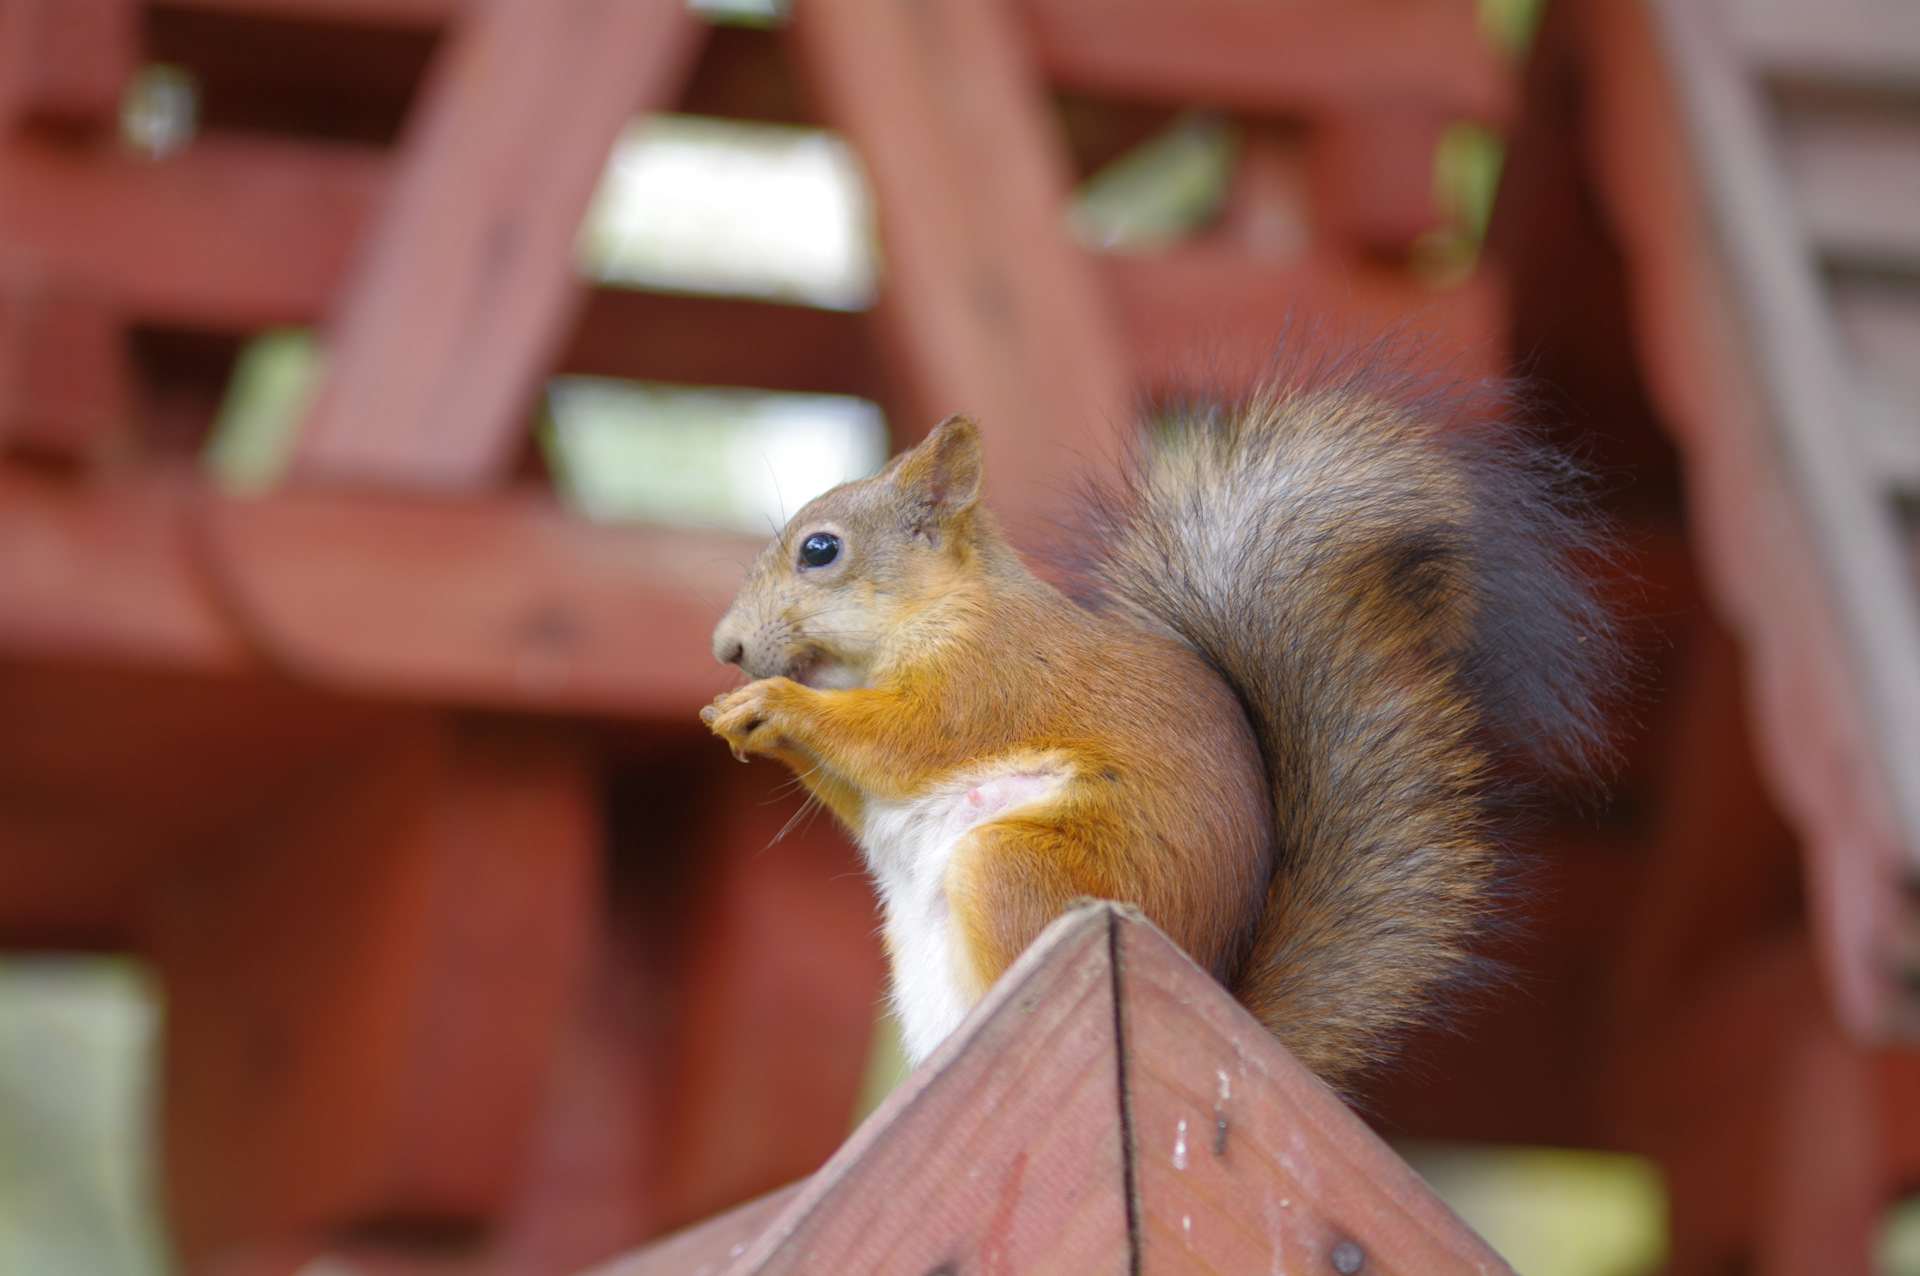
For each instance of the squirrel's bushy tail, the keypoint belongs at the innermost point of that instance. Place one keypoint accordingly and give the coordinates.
(1393, 583)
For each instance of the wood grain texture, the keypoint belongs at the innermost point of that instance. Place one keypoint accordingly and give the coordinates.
(1244, 1161)
(466, 288)
(706, 1248)
(1311, 57)
(988, 306)
(1003, 1154)
(233, 233)
(505, 601)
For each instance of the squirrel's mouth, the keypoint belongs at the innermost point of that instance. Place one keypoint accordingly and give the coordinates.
(815, 669)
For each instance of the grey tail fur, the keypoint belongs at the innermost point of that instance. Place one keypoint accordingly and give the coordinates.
(1395, 585)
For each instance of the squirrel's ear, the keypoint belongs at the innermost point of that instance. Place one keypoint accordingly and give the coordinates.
(939, 480)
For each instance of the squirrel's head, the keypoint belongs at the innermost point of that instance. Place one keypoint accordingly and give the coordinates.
(854, 569)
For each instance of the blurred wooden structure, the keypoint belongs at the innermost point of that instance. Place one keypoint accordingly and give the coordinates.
(1107, 1108)
(472, 953)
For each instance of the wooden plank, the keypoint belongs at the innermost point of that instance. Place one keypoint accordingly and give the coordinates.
(363, 988)
(689, 340)
(505, 602)
(399, 13)
(101, 569)
(783, 970)
(1879, 322)
(926, 1184)
(233, 233)
(1765, 577)
(1244, 1161)
(515, 829)
(64, 379)
(466, 290)
(1869, 43)
(706, 1247)
(1003, 1152)
(1217, 316)
(1855, 177)
(1795, 358)
(1310, 57)
(989, 308)
(112, 777)
(66, 61)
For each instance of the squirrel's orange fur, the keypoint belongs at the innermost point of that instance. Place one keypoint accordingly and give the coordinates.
(1268, 728)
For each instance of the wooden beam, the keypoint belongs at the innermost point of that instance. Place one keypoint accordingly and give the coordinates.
(103, 570)
(1308, 58)
(506, 602)
(1245, 1162)
(465, 292)
(64, 378)
(1764, 571)
(362, 989)
(1003, 1153)
(690, 340)
(66, 61)
(1865, 43)
(989, 308)
(398, 13)
(708, 1245)
(234, 233)
(1214, 316)
(1106, 1107)
(1855, 178)
(782, 973)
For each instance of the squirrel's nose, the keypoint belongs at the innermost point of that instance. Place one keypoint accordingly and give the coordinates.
(728, 648)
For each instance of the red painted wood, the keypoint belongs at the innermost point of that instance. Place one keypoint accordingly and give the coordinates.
(411, 13)
(102, 569)
(361, 988)
(1373, 166)
(66, 61)
(691, 340)
(1002, 1154)
(783, 972)
(233, 233)
(506, 602)
(1759, 567)
(463, 295)
(1215, 316)
(116, 778)
(63, 364)
(988, 307)
(1243, 1161)
(1309, 57)
(708, 1245)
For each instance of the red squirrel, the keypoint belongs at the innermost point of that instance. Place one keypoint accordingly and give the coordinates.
(1317, 630)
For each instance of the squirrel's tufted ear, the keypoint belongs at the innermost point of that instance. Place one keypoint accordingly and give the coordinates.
(939, 480)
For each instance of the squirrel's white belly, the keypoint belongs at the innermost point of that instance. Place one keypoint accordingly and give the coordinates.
(908, 845)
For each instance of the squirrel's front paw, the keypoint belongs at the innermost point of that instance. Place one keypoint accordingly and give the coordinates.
(744, 717)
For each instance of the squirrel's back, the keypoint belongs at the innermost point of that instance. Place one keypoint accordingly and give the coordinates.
(1391, 582)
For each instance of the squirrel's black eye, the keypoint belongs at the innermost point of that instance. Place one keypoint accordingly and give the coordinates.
(819, 549)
